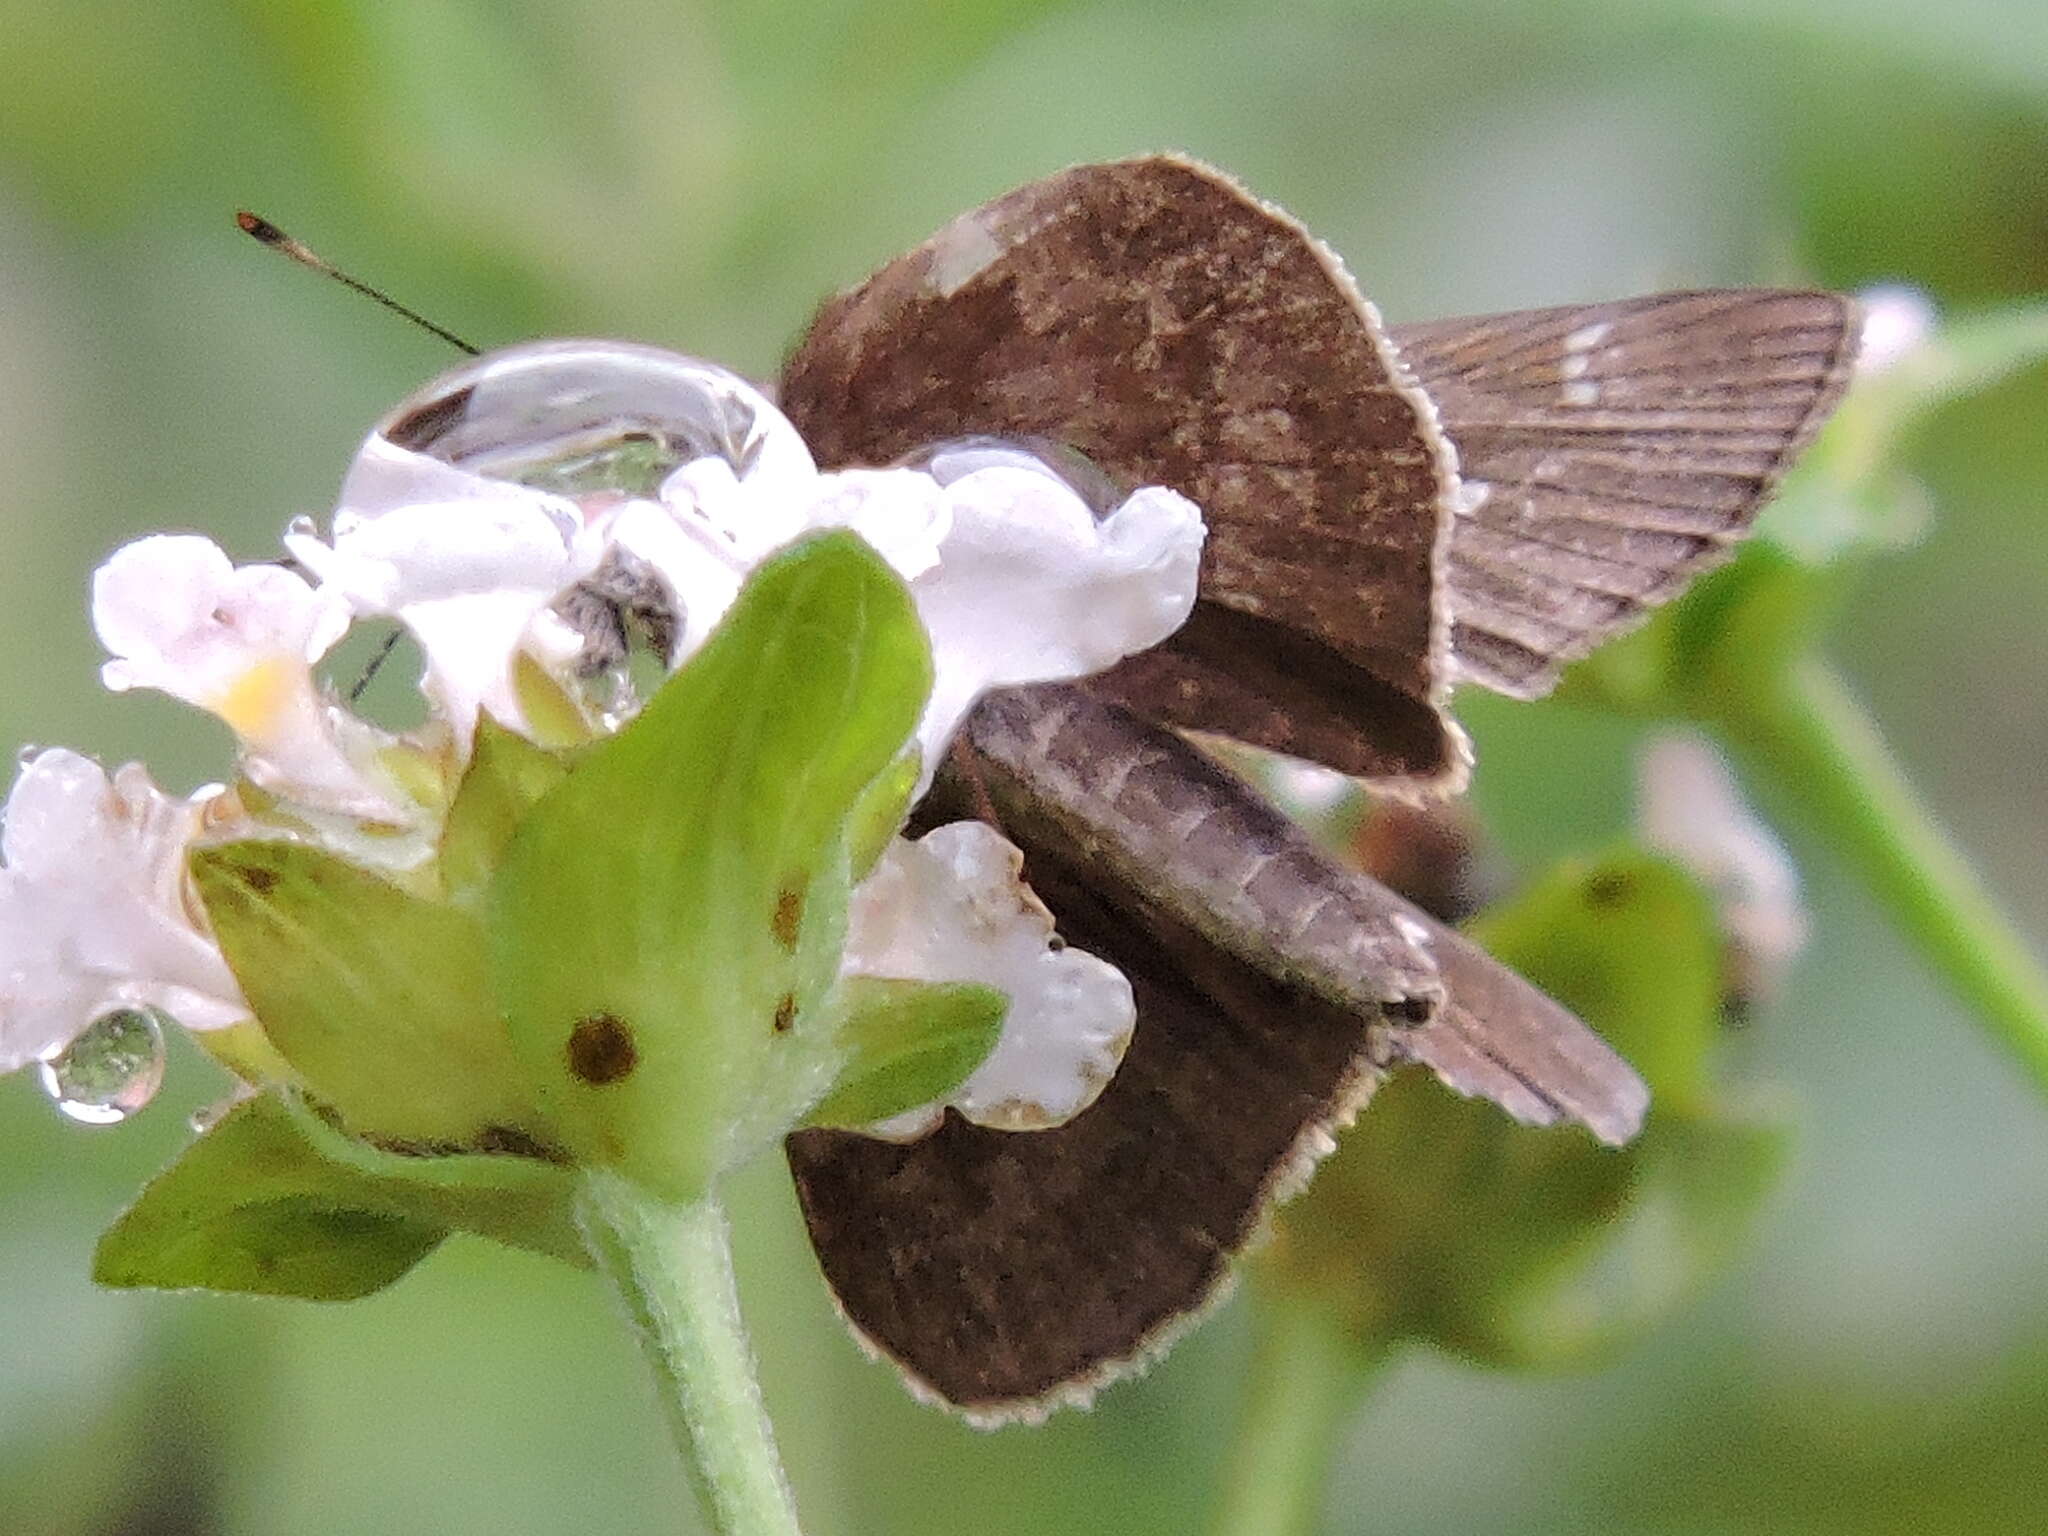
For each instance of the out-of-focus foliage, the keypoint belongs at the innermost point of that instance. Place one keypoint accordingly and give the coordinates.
(1440, 1221)
(698, 175)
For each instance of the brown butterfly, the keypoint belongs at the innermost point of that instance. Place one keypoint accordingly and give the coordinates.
(1391, 512)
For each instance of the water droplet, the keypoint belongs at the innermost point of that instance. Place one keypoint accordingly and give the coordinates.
(207, 1116)
(590, 418)
(110, 1071)
(951, 458)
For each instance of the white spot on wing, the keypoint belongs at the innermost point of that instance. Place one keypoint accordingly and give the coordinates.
(1411, 930)
(1572, 367)
(960, 251)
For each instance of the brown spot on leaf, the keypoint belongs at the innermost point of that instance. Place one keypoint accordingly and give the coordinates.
(785, 1013)
(789, 911)
(1610, 888)
(511, 1141)
(601, 1050)
(260, 880)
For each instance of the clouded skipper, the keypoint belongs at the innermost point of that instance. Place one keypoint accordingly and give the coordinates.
(1391, 512)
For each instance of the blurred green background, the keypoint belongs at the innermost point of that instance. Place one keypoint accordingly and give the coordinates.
(699, 175)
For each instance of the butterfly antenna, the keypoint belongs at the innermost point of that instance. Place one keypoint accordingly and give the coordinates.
(263, 232)
(373, 666)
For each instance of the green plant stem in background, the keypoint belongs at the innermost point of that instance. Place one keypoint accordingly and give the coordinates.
(673, 1266)
(1307, 1378)
(1807, 732)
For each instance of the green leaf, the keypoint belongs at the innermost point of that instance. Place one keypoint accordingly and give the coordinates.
(1694, 1198)
(1632, 944)
(506, 777)
(1438, 1218)
(908, 1043)
(1854, 492)
(380, 1001)
(668, 922)
(879, 814)
(273, 1202)
(1738, 630)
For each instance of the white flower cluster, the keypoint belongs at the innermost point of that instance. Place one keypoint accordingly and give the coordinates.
(1690, 808)
(1015, 577)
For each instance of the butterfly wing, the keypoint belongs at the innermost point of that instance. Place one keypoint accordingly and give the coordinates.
(1006, 1272)
(1612, 453)
(1154, 315)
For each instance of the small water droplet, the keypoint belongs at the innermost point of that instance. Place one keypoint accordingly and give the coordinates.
(27, 754)
(110, 1071)
(207, 1116)
(303, 527)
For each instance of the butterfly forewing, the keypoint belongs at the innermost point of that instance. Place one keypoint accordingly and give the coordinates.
(1611, 453)
(1156, 317)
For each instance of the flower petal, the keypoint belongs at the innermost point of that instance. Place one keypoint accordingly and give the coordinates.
(238, 642)
(466, 577)
(1692, 811)
(1031, 588)
(902, 513)
(94, 913)
(179, 616)
(953, 906)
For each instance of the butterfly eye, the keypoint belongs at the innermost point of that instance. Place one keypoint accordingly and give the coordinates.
(583, 418)
(956, 457)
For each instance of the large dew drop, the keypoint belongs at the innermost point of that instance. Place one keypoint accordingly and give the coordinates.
(596, 424)
(583, 418)
(110, 1071)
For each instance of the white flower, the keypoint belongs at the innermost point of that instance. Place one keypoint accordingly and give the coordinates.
(1897, 321)
(1014, 578)
(901, 513)
(471, 576)
(1031, 588)
(239, 642)
(1691, 809)
(952, 907)
(94, 910)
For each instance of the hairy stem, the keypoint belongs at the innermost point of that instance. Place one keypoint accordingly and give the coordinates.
(1810, 735)
(672, 1265)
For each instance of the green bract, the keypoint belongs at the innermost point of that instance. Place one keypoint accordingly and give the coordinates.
(380, 1000)
(668, 923)
(907, 1044)
(275, 1202)
(626, 955)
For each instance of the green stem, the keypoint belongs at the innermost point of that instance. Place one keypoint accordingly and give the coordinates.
(1810, 735)
(672, 1264)
(1307, 1379)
